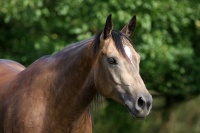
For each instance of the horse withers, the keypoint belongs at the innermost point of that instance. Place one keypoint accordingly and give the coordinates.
(53, 94)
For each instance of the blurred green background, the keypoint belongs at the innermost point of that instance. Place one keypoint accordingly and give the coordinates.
(167, 37)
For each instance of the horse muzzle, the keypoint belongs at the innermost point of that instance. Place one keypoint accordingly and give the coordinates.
(139, 108)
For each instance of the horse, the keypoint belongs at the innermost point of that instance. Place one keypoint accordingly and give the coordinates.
(54, 93)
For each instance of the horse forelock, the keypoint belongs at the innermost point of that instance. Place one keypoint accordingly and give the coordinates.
(118, 37)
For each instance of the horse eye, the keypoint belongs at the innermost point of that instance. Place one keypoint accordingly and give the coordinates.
(112, 61)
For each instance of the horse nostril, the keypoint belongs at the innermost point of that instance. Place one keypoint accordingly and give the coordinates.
(141, 102)
(148, 105)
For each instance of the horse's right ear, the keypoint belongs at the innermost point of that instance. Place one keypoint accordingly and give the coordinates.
(108, 28)
(130, 27)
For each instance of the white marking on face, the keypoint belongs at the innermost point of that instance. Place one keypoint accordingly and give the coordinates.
(130, 55)
(128, 52)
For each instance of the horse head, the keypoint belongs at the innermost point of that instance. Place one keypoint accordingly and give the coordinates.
(116, 69)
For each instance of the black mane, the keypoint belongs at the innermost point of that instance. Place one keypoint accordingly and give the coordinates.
(117, 37)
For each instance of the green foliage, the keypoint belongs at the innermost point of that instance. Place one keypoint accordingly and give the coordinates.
(183, 118)
(167, 43)
(121, 123)
(167, 38)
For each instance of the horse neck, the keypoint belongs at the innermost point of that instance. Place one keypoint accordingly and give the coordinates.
(72, 84)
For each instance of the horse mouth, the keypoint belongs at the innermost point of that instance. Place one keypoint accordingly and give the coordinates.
(134, 115)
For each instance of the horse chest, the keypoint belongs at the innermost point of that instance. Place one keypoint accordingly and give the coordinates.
(84, 125)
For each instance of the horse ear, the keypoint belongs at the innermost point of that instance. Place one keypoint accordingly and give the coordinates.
(130, 27)
(108, 28)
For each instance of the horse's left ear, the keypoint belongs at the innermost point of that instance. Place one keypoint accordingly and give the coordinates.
(130, 27)
(108, 28)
